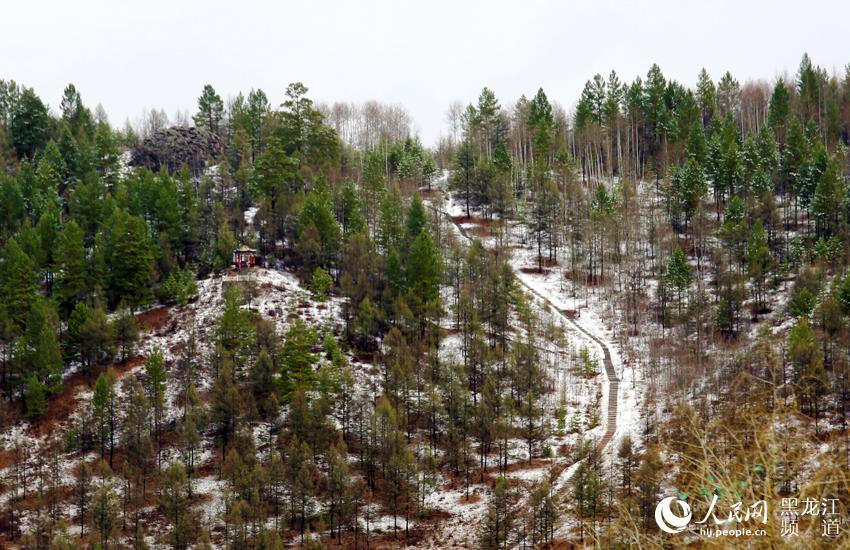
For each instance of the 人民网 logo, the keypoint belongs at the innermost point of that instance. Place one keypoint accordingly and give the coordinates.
(668, 520)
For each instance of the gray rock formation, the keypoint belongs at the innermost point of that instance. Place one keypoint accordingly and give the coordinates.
(173, 147)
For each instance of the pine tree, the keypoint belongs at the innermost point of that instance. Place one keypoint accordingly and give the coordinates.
(707, 97)
(728, 96)
(626, 460)
(105, 507)
(423, 273)
(225, 243)
(82, 490)
(210, 110)
(95, 336)
(303, 131)
(587, 492)
(263, 384)
(463, 173)
(390, 223)
(648, 483)
(29, 127)
(190, 426)
(301, 477)
(679, 273)
(100, 412)
(129, 260)
(340, 488)
(175, 504)
(235, 332)
(276, 173)
(297, 359)
(51, 172)
(226, 406)
(155, 382)
(19, 283)
(350, 211)
(691, 188)
(44, 358)
(136, 434)
(809, 376)
(12, 202)
(488, 118)
(758, 262)
(125, 329)
(74, 335)
(75, 162)
(35, 395)
(497, 529)
(106, 153)
(318, 212)
(398, 466)
(416, 221)
(541, 515)
(373, 187)
(828, 199)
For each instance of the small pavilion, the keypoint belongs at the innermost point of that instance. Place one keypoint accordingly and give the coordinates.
(244, 257)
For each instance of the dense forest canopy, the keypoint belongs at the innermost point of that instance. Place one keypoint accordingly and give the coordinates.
(709, 224)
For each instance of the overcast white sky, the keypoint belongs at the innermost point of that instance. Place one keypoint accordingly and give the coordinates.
(131, 55)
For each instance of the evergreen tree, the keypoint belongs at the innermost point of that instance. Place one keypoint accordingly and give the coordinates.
(679, 273)
(235, 332)
(105, 507)
(100, 404)
(210, 110)
(350, 212)
(689, 188)
(126, 332)
(155, 381)
(415, 222)
(809, 375)
(463, 173)
(44, 358)
(30, 124)
(301, 477)
(626, 462)
(707, 97)
(758, 262)
(129, 259)
(497, 529)
(175, 504)
(587, 492)
(297, 359)
(94, 337)
(828, 199)
(19, 283)
(74, 335)
(390, 223)
(276, 173)
(263, 384)
(136, 435)
(82, 497)
(423, 273)
(318, 212)
(226, 406)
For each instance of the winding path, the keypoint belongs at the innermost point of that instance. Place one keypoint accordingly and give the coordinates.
(610, 373)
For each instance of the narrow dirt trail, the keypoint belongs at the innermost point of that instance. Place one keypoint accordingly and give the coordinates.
(610, 373)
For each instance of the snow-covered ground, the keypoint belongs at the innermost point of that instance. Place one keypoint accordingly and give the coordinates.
(594, 316)
(550, 289)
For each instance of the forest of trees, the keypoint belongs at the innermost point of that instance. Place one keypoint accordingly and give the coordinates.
(697, 214)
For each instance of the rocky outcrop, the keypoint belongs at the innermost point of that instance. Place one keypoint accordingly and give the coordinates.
(173, 147)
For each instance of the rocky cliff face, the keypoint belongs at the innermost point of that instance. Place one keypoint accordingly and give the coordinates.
(173, 147)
